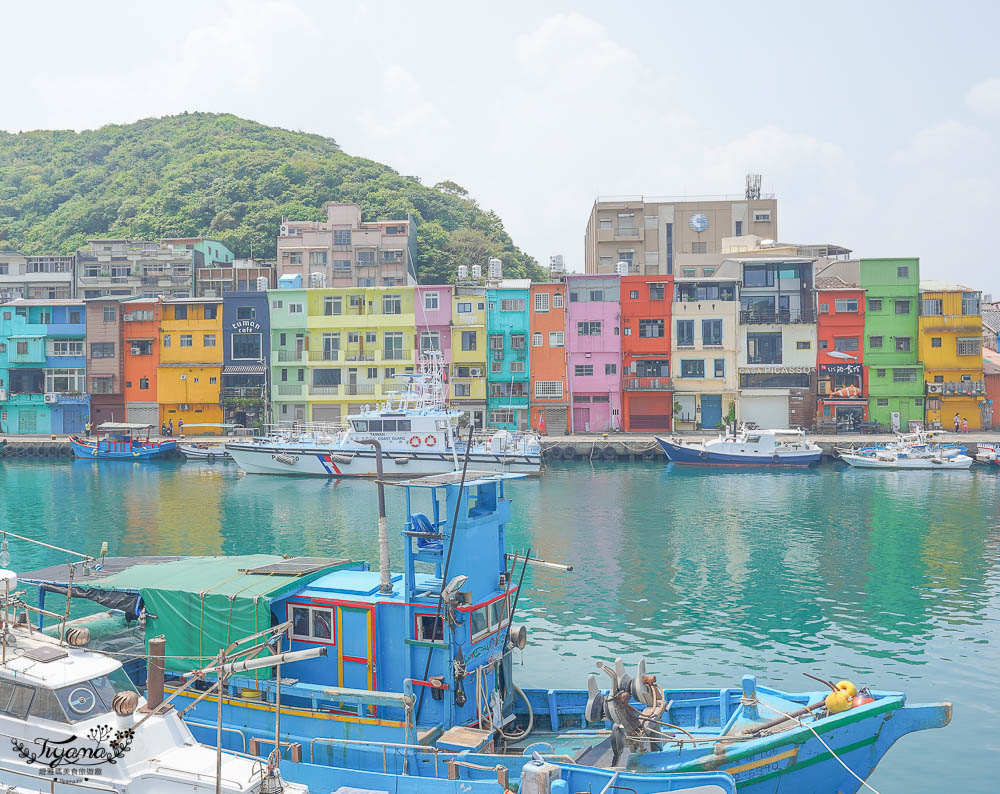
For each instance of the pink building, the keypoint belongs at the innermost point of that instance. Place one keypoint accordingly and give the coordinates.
(594, 353)
(432, 306)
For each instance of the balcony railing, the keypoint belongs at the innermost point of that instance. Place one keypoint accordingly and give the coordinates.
(357, 354)
(397, 355)
(752, 317)
(359, 388)
(324, 355)
(967, 388)
(757, 360)
(291, 355)
(243, 391)
(647, 384)
(284, 390)
(324, 391)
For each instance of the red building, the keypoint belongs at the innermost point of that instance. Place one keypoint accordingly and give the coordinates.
(647, 392)
(842, 375)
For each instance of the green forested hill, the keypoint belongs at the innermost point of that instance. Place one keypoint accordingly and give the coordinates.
(228, 178)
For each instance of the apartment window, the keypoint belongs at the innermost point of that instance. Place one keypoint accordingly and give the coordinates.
(393, 345)
(692, 368)
(596, 295)
(880, 373)
(758, 276)
(882, 402)
(295, 308)
(874, 342)
(102, 350)
(711, 332)
(720, 367)
(110, 314)
(502, 416)
(431, 301)
(610, 369)
(689, 272)
(592, 328)
(633, 294)
(548, 389)
(72, 381)
(463, 308)
(764, 348)
(670, 248)
(903, 344)
(536, 339)
(463, 389)
(874, 304)
(208, 340)
(808, 345)
(246, 313)
(166, 340)
(246, 346)
(143, 383)
(824, 308)
(496, 366)
(541, 301)
(372, 373)
(212, 381)
(557, 339)
(583, 370)
(341, 267)
(180, 312)
(823, 344)
(65, 348)
(284, 375)
(276, 304)
(685, 333)
(341, 236)
(656, 292)
(468, 340)
(969, 346)
(332, 304)
(517, 366)
(935, 341)
(845, 343)
(517, 341)
(557, 300)
(371, 337)
(295, 257)
(902, 271)
(392, 304)
(317, 257)
(301, 375)
(604, 224)
(931, 306)
(846, 305)
(512, 305)
(187, 340)
(904, 375)
(970, 303)
(651, 328)
(698, 248)
(902, 307)
(739, 229)
(430, 340)
(606, 264)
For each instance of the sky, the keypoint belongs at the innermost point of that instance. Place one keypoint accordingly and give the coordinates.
(877, 125)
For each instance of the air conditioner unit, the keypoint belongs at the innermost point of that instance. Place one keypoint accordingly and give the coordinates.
(51, 397)
(935, 388)
(127, 317)
(263, 282)
(184, 407)
(475, 372)
(284, 230)
(184, 377)
(3, 395)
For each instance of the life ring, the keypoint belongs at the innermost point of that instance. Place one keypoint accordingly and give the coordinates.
(430, 440)
(414, 441)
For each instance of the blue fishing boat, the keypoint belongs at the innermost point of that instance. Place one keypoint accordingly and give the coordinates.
(418, 690)
(120, 441)
(745, 447)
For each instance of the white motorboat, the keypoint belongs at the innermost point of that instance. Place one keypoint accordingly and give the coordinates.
(206, 451)
(744, 448)
(73, 722)
(417, 431)
(923, 449)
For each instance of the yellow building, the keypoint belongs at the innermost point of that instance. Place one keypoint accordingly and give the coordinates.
(467, 384)
(189, 375)
(950, 345)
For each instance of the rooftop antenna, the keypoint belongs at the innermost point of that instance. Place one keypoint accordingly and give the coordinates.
(753, 187)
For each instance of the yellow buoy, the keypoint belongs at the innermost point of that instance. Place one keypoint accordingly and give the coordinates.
(838, 701)
(848, 687)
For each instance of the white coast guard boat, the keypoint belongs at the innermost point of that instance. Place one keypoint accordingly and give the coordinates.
(419, 435)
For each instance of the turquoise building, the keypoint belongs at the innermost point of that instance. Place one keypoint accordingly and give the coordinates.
(43, 384)
(508, 359)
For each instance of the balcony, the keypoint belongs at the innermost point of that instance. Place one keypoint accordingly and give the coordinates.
(357, 354)
(324, 391)
(647, 384)
(291, 355)
(324, 355)
(777, 318)
(254, 392)
(287, 390)
(397, 355)
(965, 388)
(352, 389)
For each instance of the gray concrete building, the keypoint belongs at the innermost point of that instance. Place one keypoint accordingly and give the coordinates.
(658, 235)
(49, 276)
(346, 251)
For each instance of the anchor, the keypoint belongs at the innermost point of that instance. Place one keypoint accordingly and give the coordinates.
(635, 729)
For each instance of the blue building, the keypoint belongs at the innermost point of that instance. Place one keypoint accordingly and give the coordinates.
(508, 365)
(43, 383)
(246, 334)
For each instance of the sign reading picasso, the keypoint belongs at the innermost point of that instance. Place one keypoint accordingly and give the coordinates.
(246, 327)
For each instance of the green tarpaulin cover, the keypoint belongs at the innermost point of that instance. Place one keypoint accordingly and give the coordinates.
(202, 604)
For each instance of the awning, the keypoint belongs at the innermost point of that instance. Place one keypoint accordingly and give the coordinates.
(243, 369)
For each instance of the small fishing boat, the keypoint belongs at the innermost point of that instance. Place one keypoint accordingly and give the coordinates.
(205, 451)
(745, 447)
(903, 458)
(988, 453)
(121, 441)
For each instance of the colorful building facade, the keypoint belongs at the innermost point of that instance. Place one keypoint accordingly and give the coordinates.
(43, 361)
(140, 359)
(549, 396)
(189, 375)
(507, 379)
(951, 348)
(246, 349)
(647, 389)
(895, 374)
(432, 307)
(105, 360)
(467, 384)
(842, 378)
(593, 353)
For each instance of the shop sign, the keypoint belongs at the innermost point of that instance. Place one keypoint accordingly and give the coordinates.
(840, 369)
(246, 327)
(776, 369)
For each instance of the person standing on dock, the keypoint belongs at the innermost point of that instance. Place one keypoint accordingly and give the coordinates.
(170, 426)
(180, 427)
(88, 427)
(965, 424)
(957, 421)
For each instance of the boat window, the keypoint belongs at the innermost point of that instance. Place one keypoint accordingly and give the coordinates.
(312, 623)
(20, 699)
(403, 425)
(300, 621)
(361, 425)
(322, 624)
(107, 686)
(389, 425)
(375, 425)
(478, 623)
(45, 705)
(429, 628)
(498, 614)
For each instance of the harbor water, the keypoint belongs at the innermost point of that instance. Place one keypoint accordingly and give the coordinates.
(887, 578)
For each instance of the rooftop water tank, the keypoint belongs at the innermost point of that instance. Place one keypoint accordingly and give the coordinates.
(496, 269)
(290, 281)
(463, 272)
(477, 271)
(317, 279)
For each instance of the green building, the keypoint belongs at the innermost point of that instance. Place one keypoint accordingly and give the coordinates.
(895, 375)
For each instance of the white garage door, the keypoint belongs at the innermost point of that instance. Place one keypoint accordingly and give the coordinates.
(326, 413)
(769, 412)
(143, 414)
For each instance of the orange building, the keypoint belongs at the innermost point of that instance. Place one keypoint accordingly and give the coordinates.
(548, 400)
(647, 391)
(141, 349)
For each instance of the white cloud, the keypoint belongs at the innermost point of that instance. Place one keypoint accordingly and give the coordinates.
(984, 98)
(942, 142)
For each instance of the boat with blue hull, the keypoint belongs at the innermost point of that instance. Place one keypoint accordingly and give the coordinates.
(121, 441)
(417, 688)
(745, 447)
